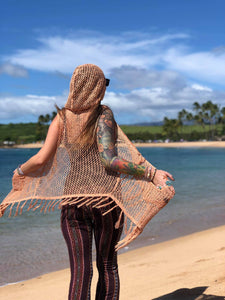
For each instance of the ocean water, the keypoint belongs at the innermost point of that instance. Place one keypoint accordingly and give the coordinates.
(32, 244)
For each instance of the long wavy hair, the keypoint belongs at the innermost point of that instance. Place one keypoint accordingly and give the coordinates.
(89, 132)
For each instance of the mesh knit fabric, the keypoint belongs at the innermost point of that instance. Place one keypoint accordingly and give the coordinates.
(75, 175)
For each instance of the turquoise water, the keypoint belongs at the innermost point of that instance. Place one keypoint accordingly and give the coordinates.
(32, 245)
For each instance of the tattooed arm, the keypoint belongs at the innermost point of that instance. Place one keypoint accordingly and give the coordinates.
(106, 137)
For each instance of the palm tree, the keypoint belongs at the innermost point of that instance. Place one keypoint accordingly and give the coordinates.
(223, 113)
(199, 116)
(222, 119)
(41, 119)
(211, 114)
(47, 118)
(54, 113)
(189, 117)
(41, 128)
(170, 128)
(196, 106)
(182, 118)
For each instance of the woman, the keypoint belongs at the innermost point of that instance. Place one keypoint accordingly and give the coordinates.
(97, 176)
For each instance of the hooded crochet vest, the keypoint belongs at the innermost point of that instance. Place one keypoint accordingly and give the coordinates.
(75, 175)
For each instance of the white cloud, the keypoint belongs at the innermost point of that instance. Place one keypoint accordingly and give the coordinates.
(13, 70)
(12, 107)
(201, 87)
(205, 66)
(138, 105)
(57, 53)
(157, 75)
(153, 104)
(134, 49)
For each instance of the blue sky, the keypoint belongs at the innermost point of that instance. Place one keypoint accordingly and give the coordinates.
(161, 56)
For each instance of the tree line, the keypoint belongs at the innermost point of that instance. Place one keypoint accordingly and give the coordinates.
(209, 116)
(42, 125)
(204, 121)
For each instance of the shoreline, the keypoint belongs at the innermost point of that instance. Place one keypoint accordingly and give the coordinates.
(168, 227)
(198, 144)
(193, 263)
(206, 144)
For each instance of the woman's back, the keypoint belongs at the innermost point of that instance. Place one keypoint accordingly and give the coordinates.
(87, 175)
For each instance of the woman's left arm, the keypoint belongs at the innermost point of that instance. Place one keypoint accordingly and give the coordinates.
(106, 134)
(45, 153)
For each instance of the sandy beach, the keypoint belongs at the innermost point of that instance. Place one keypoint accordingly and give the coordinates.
(219, 144)
(186, 268)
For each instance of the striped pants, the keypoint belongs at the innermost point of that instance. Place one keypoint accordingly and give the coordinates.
(78, 225)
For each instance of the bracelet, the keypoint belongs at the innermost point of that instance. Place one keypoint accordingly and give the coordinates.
(148, 176)
(19, 171)
(153, 176)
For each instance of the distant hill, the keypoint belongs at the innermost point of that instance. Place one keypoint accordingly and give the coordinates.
(159, 123)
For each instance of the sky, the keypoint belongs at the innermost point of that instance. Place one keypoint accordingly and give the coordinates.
(161, 56)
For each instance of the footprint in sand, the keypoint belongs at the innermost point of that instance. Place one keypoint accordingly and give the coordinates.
(203, 259)
(222, 249)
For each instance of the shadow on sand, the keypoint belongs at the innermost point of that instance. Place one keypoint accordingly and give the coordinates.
(190, 294)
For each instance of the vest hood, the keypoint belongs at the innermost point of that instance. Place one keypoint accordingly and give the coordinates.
(87, 88)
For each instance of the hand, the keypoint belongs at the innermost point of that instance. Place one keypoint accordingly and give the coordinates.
(169, 192)
(161, 178)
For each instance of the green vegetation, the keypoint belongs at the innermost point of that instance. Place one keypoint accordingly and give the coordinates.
(185, 132)
(207, 121)
(143, 133)
(24, 133)
(42, 126)
(21, 133)
(208, 118)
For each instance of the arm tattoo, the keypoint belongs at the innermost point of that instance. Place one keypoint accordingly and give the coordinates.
(106, 138)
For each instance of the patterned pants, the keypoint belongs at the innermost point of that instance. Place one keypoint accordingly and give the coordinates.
(78, 225)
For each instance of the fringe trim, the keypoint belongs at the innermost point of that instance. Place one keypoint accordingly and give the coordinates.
(117, 225)
(97, 202)
(129, 237)
(49, 205)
